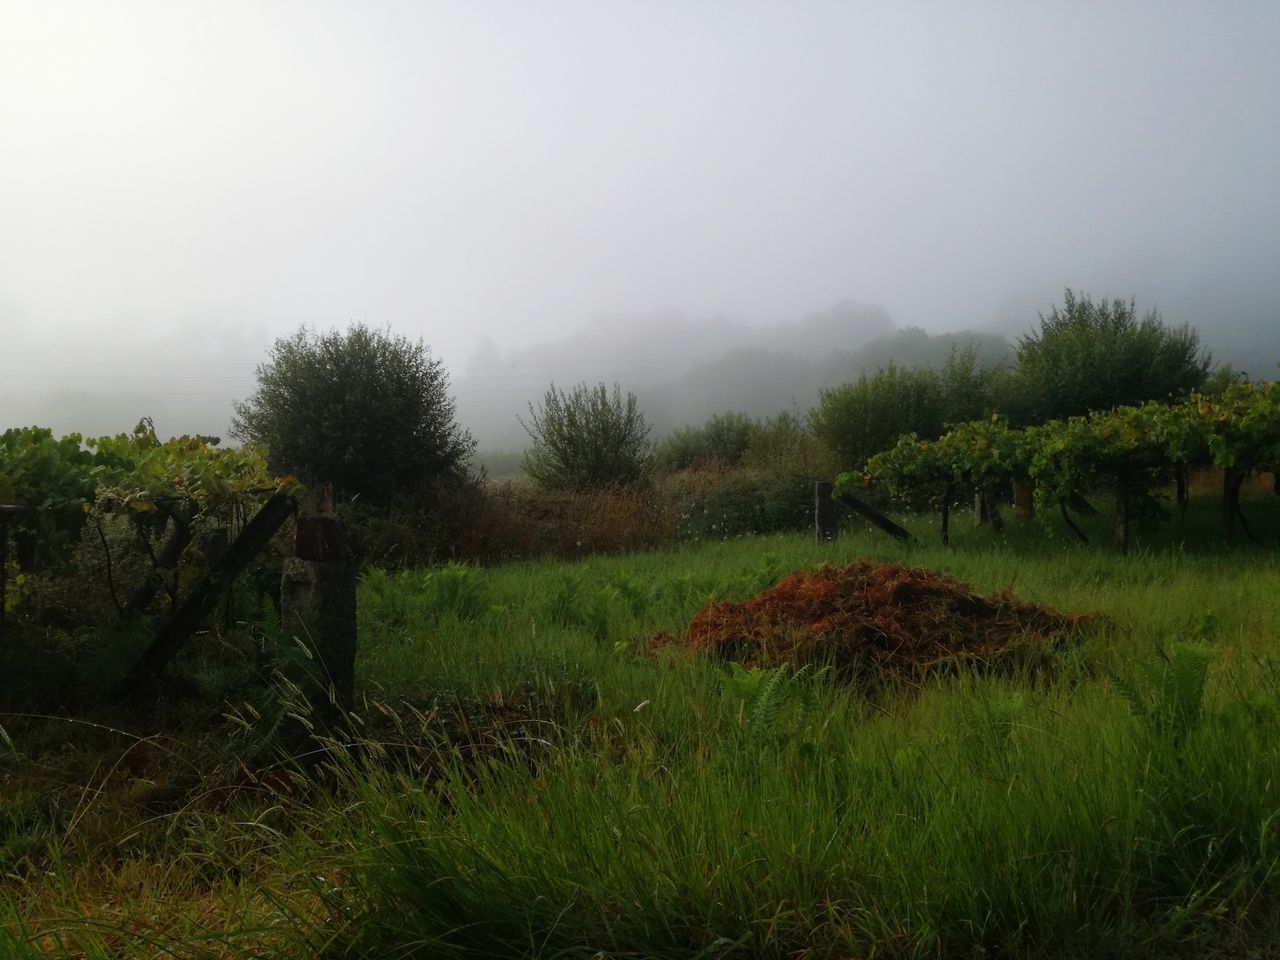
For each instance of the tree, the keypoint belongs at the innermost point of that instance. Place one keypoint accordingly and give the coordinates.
(365, 410)
(588, 437)
(1091, 355)
(857, 420)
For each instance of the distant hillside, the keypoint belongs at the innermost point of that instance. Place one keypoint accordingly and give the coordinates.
(761, 383)
(685, 370)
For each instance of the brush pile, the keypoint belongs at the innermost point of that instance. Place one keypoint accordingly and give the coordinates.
(879, 620)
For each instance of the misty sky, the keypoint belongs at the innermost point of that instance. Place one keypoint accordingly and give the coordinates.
(180, 182)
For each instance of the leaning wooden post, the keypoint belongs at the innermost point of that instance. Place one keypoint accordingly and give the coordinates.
(318, 606)
(1121, 528)
(874, 516)
(824, 512)
(257, 533)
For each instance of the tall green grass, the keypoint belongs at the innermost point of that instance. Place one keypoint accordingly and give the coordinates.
(524, 778)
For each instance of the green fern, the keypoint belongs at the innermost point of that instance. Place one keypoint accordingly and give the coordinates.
(1169, 694)
(765, 694)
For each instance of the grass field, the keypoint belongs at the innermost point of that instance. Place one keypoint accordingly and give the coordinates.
(527, 780)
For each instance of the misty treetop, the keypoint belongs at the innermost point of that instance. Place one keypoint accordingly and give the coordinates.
(1092, 355)
(365, 409)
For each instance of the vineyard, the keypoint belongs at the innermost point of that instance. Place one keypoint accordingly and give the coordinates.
(154, 509)
(1130, 451)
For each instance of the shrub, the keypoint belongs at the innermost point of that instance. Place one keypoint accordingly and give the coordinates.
(858, 420)
(519, 520)
(722, 439)
(716, 502)
(587, 437)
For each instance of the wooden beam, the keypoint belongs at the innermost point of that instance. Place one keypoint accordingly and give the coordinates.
(171, 636)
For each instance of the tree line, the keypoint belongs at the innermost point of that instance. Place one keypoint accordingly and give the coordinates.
(370, 411)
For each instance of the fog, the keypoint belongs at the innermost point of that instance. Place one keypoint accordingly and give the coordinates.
(629, 191)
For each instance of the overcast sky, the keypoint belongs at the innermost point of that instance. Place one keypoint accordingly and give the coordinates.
(180, 182)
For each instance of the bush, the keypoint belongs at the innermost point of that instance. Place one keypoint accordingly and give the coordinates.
(414, 530)
(364, 410)
(723, 439)
(858, 420)
(519, 521)
(716, 503)
(587, 438)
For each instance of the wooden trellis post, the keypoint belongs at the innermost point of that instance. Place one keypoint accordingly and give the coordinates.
(824, 512)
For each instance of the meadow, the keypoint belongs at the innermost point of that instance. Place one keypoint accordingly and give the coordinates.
(524, 777)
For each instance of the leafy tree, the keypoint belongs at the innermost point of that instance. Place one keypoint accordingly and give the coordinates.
(587, 437)
(860, 419)
(1220, 378)
(1096, 355)
(365, 410)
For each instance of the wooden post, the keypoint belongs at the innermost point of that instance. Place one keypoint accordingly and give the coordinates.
(946, 519)
(1121, 527)
(1231, 481)
(824, 512)
(4, 569)
(991, 507)
(318, 606)
(986, 506)
(1024, 499)
(874, 516)
(1180, 478)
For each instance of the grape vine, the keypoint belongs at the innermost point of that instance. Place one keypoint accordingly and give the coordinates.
(51, 487)
(1238, 431)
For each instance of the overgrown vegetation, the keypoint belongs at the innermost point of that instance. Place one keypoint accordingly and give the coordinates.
(525, 779)
(864, 748)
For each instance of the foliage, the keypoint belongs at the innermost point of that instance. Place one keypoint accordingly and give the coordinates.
(365, 410)
(858, 420)
(519, 520)
(659, 806)
(587, 437)
(723, 439)
(107, 525)
(1169, 697)
(1094, 355)
(1240, 428)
